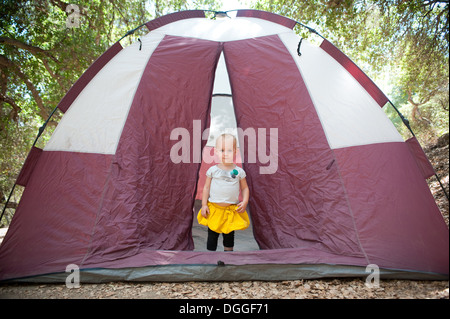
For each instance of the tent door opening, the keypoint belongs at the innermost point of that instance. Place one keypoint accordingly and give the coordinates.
(222, 120)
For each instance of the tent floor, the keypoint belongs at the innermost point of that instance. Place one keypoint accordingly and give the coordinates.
(243, 239)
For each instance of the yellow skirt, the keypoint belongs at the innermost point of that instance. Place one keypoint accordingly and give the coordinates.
(224, 219)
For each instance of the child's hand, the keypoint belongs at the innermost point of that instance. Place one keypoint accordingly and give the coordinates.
(241, 207)
(205, 211)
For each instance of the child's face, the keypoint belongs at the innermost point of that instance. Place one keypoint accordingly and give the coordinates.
(225, 149)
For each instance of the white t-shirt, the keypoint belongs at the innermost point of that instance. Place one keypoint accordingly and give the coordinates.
(224, 188)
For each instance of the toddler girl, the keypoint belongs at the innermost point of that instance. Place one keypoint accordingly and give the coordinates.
(221, 210)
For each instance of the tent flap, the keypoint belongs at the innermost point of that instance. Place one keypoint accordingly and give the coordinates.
(420, 157)
(308, 207)
(28, 166)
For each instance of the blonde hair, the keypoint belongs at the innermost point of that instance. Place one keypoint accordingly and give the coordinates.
(225, 135)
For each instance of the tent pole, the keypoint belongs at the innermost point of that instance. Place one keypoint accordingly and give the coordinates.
(131, 31)
(404, 119)
(42, 128)
(442, 186)
(310, 29)
(7, 202)
(40, 131)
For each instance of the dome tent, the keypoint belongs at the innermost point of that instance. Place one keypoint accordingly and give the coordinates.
(111, 193)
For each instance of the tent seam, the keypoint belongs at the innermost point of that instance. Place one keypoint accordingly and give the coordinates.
(102, 198)
(350, 208)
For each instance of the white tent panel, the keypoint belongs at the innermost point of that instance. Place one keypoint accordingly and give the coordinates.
(221, 79)
(222, 30)
(349, 115)
(223, 119)
(94, 121)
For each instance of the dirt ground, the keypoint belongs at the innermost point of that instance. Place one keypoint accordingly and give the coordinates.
(344, 288)
(298, 289)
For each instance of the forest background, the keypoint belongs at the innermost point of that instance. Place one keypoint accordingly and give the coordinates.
(46, 45)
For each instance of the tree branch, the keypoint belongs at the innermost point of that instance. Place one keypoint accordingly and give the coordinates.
(416, 114)
(25, 46)
(9, 64)
(35, 51)
(57, 77)
(15, 108)
(60, 4)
